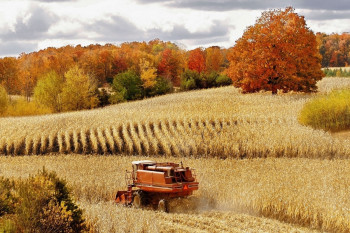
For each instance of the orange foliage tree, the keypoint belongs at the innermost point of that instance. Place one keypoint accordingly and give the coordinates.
(9, 75)
(165, 60)
(278, 52)
(214, 59)
(335, 49)
(196, 60)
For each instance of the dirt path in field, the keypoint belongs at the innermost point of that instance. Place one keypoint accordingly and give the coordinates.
(224, 221)
(103, 216)
(344, 135)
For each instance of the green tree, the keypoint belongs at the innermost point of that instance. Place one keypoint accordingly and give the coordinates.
(223, 80)
(3, 100)
(161, 87)
(190, 80)
(127, 86)
(48, 91)
(208, 79)
(79, 90)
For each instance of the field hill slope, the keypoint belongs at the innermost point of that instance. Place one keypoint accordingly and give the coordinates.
(215, 122)
(207, 130)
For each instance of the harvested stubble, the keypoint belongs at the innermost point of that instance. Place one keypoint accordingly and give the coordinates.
(134, 220)
(313, 193)
(209, 123)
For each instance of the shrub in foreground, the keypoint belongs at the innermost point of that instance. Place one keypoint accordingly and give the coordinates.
(42, 204)
(330, 112)
(7, 200)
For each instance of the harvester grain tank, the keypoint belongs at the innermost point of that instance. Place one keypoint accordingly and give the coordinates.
(152, 183)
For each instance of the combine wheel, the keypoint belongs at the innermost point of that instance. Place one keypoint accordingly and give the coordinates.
(139, 199)
(163, 206)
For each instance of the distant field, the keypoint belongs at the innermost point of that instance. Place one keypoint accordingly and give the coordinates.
(337, 68)
(209, 123)
(326, 85)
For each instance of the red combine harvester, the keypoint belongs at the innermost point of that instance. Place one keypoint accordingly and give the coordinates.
(156, 183)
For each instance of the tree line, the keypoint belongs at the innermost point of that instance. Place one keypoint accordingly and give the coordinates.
(109, 73)
(334, 49)
(279, 52)
(149, 60)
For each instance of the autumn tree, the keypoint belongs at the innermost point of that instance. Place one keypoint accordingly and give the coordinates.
(278, 52)
(196, 60)
(60, 61)
(170, 65)
(335, 49)
(213, 59)
(9, 74)
(29, 70)
(103, 65)
(131, 55)
(148, 73)
(79, 90)
(48, 91)
(119, 63)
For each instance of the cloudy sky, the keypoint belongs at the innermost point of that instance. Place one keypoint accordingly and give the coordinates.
(29, 25)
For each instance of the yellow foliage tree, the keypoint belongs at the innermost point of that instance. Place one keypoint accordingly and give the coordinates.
(148, 74)
(3, 100)
(79, 90)
(48, 91)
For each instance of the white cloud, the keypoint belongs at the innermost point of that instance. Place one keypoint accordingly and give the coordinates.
(46, 23)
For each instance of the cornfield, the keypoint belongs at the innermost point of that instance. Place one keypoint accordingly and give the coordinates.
(233, 194)
(293, 174)
(211, 123)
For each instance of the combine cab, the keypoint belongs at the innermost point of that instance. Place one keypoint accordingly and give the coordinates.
(152, 183)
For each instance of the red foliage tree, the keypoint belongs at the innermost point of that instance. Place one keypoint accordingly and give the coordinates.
(196, 60)
(119, 64)
(170, 66)
(278, 52)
